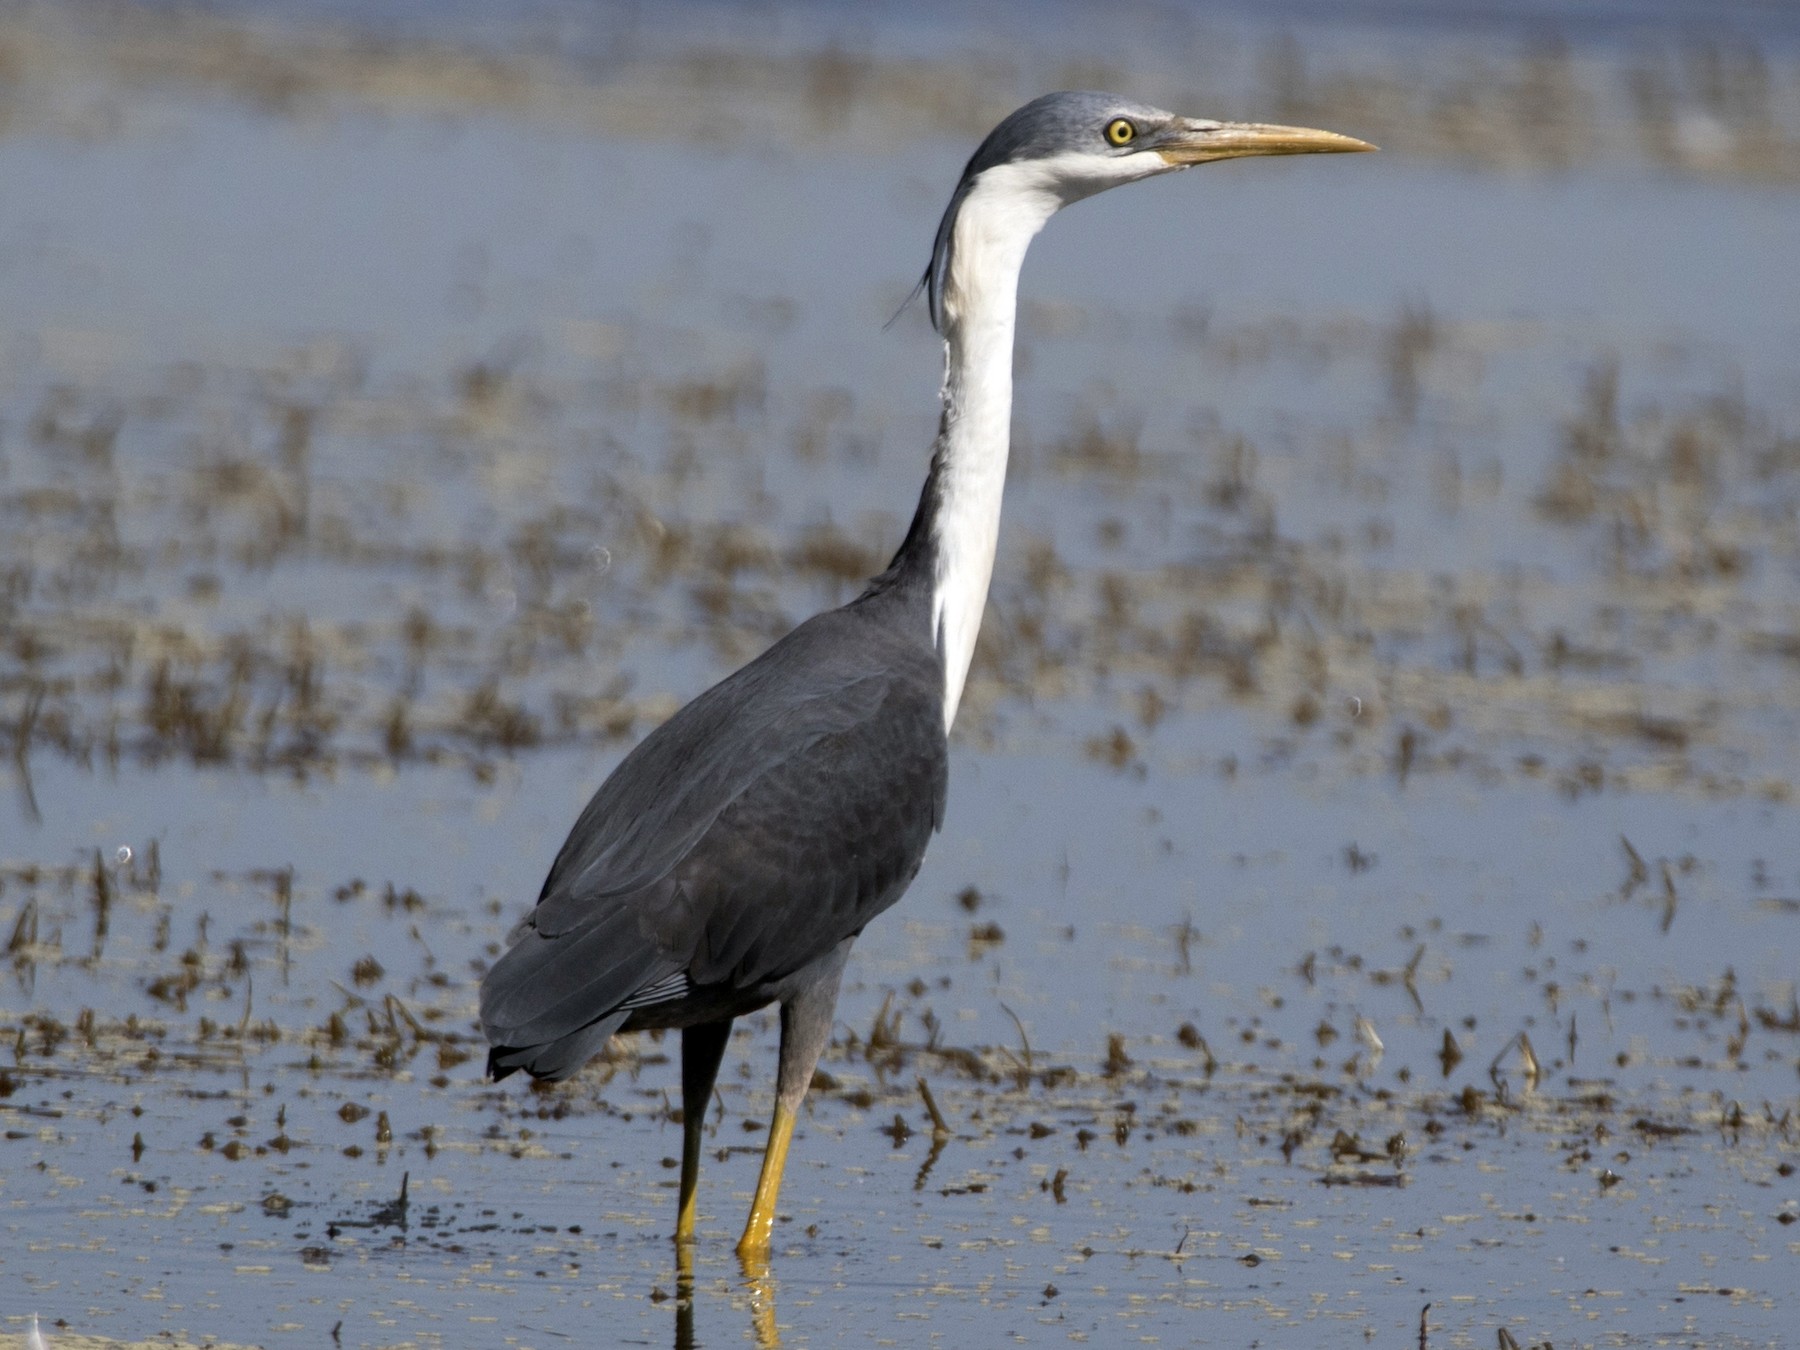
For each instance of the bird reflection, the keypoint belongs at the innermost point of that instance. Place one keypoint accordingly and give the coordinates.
(760, 1286)
(755, 1286)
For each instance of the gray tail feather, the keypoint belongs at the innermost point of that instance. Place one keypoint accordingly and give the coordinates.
(550, 1003)
(546, 987)
(559, 1058)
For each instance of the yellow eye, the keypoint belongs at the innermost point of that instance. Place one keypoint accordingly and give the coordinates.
(1119, 131)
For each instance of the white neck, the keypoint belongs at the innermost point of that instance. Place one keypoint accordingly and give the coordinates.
(1001, 213)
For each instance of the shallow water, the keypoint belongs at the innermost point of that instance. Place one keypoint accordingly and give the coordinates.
(1370, 877)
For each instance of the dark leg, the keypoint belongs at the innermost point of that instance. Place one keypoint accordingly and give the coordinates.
(805, 1029)
(702, 1047)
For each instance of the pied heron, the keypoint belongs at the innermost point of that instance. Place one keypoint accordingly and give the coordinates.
(733, 857)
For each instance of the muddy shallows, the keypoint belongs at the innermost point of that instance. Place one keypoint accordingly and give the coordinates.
(1370, 906)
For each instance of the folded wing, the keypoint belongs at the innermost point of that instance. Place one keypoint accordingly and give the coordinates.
(749, 835)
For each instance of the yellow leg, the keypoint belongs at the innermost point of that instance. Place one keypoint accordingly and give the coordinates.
(702, 1047)
(692, 1125)
(805, 1028)
(755, 1241)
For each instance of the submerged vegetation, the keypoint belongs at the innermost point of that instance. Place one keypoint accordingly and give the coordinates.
(1376, 886)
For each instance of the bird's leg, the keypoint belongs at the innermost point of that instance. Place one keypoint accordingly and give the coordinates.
(805, 1028)
(702, 1047)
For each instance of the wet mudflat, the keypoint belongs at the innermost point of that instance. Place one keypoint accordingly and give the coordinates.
(1371, 876)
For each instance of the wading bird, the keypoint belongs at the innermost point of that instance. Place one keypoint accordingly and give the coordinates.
(733, 857)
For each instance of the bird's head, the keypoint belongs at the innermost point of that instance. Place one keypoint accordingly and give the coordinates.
(1062, 147)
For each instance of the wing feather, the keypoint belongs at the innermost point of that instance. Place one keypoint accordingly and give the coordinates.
(765, 822)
